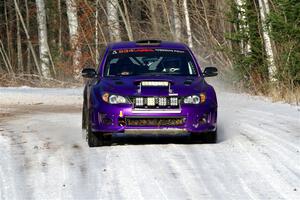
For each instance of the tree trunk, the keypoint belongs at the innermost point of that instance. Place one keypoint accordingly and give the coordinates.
(244, 45)
(264, 12)
(19, 45)
(74, 33)
(113, 20)
(96, 33)
(188, 25)
(28, 65)
(126, 20)
(28, 39)
(153, 13)
(6, 59)
(60, 28)
(8, 23)
(43, 43)
(166, 10)
(177, 22)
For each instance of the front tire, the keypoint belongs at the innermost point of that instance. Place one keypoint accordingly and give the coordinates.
(207, 138)
(84, 121)
(210, 137)
(94, 139)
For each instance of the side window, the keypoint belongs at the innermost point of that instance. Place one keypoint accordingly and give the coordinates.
(192, 68)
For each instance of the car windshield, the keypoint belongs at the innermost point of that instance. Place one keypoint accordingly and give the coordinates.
(139, 62)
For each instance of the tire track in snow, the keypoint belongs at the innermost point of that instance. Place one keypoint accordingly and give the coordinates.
(281, 158)
(276, 185)
(165, 176)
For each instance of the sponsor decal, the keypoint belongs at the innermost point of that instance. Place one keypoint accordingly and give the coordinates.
(169, 50)
(135, 50)
(124, 51)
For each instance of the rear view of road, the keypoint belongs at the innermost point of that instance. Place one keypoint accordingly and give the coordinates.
(43, 155)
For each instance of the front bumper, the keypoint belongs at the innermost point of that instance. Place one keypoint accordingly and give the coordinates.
(108, 118)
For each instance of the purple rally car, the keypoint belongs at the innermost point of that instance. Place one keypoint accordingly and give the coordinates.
(148, 86)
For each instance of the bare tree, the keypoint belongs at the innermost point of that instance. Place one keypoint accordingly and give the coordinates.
(8, 30)
(43, 43)
(264, 11)
(177, 22)
(19, 45)
(28, 39)
(74, 33)
(113, 20)
(188, 24)
(96, 33)
(5, 59)
(126, 19)
(28, 43)
(168, 18)
(60, 27)
(153, 9)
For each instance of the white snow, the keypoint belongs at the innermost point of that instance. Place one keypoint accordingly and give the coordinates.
(47, 96)
(43, 155)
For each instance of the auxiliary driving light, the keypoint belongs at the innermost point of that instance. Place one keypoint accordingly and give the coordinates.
(155, 83)
(162, 101)
(139, 101)
(173, 101)
(150, 101)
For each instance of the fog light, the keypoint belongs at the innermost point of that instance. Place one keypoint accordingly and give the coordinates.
(202, 120)
(103, 119)
(107, 121)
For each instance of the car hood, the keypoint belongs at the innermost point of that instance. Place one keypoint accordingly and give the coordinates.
(131, 85)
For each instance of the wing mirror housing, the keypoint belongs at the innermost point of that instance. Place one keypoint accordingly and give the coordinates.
(88, 73)
(210, 71)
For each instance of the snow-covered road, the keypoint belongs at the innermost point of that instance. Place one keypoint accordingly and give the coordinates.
(43, 155)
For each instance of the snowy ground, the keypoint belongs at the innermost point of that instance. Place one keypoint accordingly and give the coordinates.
(43, 155)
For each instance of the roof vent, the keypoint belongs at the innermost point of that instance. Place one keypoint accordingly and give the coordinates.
(148, 42)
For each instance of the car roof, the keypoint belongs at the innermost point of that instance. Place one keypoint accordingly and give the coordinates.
(147, 44)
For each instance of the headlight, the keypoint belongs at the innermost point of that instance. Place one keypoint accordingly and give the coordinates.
(114, 99)
(195, 99)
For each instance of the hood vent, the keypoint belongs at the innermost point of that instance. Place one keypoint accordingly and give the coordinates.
(188, 82)
(148, 42)
(119, 83)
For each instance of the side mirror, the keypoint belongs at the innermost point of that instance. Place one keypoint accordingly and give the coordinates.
(88, 73)
(210, 71)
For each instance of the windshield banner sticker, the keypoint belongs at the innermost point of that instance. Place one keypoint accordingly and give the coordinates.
(124, 51)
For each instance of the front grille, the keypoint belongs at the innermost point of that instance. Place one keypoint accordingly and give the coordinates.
(169, 122)
(156, 102)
